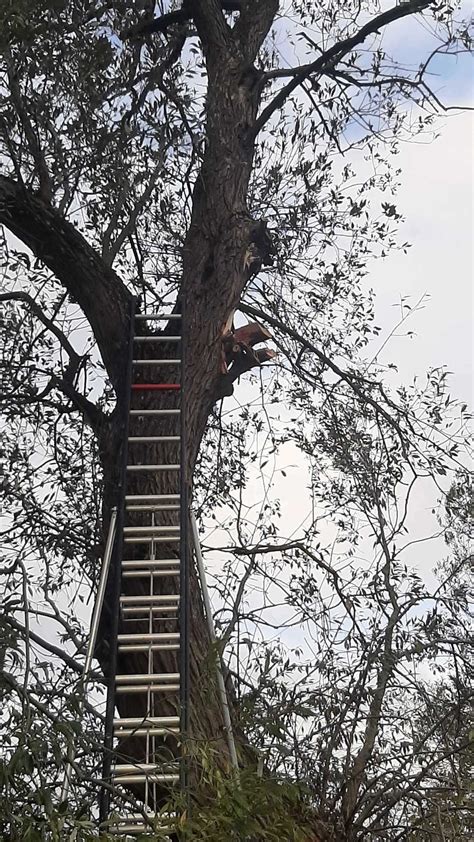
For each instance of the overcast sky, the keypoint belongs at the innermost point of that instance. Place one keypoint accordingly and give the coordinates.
(437, 200)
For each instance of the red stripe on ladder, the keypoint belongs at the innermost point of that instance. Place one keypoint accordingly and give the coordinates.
(141, 387)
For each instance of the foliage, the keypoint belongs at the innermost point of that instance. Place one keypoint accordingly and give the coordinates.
(349, 666)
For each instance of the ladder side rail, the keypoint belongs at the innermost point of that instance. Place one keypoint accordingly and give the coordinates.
(104, 575)
(184, 651)
(104, 800)
(212, 634)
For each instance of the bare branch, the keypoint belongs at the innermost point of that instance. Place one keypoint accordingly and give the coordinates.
(129, 227)
(65, 383)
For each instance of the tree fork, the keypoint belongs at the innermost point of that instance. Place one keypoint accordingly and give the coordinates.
(224, 246)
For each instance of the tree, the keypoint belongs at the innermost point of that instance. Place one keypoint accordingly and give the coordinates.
(175, 154)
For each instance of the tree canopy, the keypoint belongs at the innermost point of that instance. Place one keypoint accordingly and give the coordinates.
(238, 158)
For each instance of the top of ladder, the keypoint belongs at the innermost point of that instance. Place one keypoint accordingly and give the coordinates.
(150, 316)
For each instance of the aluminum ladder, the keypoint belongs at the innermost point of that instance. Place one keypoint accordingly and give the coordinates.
(151, 588)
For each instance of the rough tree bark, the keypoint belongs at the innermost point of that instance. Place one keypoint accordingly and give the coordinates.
(223, 248)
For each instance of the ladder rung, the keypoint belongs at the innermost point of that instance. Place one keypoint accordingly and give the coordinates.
(122, 824)
(157, 539)
(153, 599)
(145, 647)
(147, 439)
(142, 498)
(152, 508)
(149, 530)
(157, 362)
(144, 677)
(151, 637)
(155, 411)
(173, 467)
(150, 316)
(140, 817)
(154, 387)
(155, 610)
(130, 829)
(136, 726)
(159, 338)
(141, 779)
(140, 573)
(129, 768)
(152, 731)
(150, 562)
(142, 722)
(147, 688)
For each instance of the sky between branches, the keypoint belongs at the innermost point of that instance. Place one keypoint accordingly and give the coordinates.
(436, 200)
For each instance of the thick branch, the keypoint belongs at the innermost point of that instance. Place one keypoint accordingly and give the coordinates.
(329, 58)
(254, 24)
(246, 361)
(239, 356)
(251, 334)
(97, 289)
(93, 415)
(212, 27)
(176, 18)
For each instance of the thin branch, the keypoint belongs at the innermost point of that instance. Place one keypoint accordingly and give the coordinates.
(59, 652)
(225, 637)
(350, 379)
(27, 697)
(111, 252)
(65, 383)
(327, 60)
(41, 315)
(32, 138)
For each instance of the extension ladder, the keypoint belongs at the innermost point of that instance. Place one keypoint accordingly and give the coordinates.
(151, 589)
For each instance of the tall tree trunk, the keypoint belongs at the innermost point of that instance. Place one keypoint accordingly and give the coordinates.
(223, 248)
